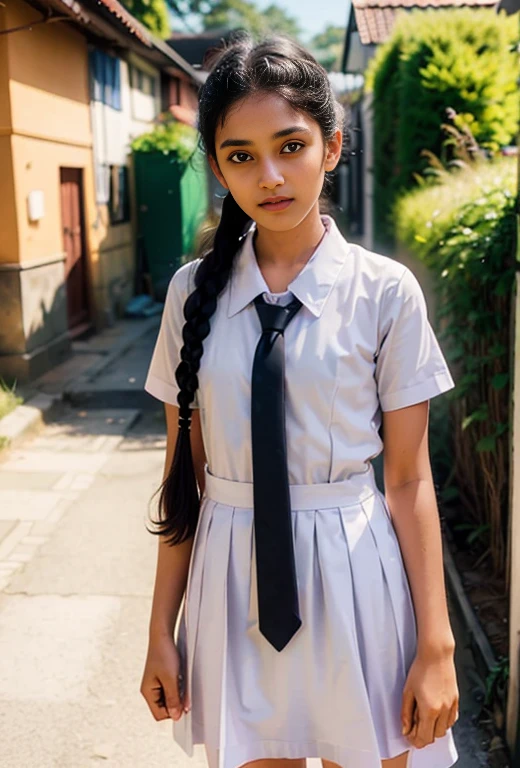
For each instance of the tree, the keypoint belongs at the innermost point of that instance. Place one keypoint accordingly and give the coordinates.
(279, 21)
(233, 14)
(328, 45)
(152, 13)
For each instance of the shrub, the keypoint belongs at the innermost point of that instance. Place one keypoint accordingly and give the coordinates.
(436, 59)
(167, 136)
(465, 231)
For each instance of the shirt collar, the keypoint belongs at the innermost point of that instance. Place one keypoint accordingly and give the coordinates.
(313, 283)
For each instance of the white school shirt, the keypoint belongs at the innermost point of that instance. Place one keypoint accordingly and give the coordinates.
(361, 344)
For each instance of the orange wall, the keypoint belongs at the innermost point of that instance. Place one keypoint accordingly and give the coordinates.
(45, 113)
(48, 70)
(37, 163)
(45, 124)
(5, 107)
(8, 228)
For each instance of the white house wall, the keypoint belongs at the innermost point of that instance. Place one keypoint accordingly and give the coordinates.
(144, 107)
(113, 129)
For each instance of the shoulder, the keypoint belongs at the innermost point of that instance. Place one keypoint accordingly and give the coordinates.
(371, 272)
(388, 280)
(400, 303)
(380, 270)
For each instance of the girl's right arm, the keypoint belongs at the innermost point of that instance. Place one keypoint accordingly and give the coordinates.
(162, 663)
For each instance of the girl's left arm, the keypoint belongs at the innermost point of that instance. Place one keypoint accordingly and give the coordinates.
(410, 495)
(430, 698)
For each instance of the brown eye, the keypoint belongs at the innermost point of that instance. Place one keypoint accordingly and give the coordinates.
(238, 154)
(293, 144)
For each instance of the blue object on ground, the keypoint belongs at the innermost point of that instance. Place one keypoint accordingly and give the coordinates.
(143, 306)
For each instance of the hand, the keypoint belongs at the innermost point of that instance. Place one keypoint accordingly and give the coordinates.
(160, 684)
(430, 698)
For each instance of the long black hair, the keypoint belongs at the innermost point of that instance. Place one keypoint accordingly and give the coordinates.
(275, 64)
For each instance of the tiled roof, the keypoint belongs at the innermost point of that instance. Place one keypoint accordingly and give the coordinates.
(374, 24)
(130, 22)
(375, 18)
(103, 16)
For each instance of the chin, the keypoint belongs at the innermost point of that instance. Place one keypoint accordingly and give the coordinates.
(279, 221)
(279, 225)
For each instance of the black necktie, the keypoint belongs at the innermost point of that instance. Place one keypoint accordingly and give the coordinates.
(277, 589)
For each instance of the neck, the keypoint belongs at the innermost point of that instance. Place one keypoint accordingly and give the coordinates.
(290, 248)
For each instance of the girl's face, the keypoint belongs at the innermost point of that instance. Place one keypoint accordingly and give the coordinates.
(267, 149)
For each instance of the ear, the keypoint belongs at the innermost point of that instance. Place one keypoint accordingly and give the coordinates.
(333, 151)
(216, 170)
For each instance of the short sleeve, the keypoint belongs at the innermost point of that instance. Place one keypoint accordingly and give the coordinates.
(410, 365)
(160, 381)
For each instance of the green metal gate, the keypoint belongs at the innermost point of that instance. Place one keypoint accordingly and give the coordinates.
(172, 202)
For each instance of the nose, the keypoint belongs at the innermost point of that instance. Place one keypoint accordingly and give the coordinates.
(270, 175)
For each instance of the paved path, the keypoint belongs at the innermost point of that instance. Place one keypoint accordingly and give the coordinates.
(77, 574)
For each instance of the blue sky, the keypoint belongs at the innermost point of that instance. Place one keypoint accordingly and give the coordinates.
(305, 11)
(312, 16)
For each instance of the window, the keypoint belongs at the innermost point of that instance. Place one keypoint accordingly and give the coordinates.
(143, 98)
(143, 82)
(105, 78)
(119, 202)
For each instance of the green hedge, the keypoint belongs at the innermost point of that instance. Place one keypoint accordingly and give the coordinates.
(435, 59)
(464, 230)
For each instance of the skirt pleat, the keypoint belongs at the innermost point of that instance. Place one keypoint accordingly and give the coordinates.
(335, 691)
(378, 634)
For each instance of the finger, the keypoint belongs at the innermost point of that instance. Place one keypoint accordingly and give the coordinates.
(453, 714)
(172, 696)
(186, 699)
(407, 710)
(441, 726)
(154, 697)
(426, 728)
(183, 692)
(412, 734)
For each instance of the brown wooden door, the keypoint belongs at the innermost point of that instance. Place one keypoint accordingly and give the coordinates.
(71, 180)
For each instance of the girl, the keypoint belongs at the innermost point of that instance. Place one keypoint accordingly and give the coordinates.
(366, 677)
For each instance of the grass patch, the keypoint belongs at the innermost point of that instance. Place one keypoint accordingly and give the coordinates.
(8, 398)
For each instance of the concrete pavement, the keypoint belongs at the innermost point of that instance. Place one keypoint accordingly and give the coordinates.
(77, 581)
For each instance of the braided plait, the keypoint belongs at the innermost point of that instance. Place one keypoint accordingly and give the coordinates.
(210, 279)
(179, 490)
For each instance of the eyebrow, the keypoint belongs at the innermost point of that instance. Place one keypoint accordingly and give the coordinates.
(277, 135)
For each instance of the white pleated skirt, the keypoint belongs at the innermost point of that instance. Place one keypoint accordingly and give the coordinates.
(335, 690)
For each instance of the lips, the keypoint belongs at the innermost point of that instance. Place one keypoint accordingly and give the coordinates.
(280, 205)
(272, 200)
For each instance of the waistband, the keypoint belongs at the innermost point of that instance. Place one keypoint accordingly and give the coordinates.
(343, 493)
